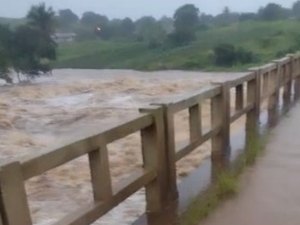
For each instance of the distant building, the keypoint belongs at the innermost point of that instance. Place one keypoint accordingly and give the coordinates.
(63, 37)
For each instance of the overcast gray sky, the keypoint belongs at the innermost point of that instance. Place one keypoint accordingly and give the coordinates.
(134, 8)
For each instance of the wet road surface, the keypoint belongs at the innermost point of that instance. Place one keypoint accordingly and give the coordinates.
(269, 192)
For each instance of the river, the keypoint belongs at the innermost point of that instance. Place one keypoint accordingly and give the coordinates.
(55, 110)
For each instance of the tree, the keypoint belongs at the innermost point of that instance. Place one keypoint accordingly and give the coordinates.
(127, 27)
(247, 16)
(226, 17)
(205, 20)
(296, 9)
(5, 52)
(42, 18)
(150, 31)
(33, 47)
(28, 49)
(4, 66)
(273, 12)
(115, 27)
(144, 27)
(185, 22)
(32, 52)
(167, 24)
(95, 21)
(228, 55)
(66, 18)
(124, 28)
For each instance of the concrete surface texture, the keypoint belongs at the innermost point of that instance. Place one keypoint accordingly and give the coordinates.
(269, 192)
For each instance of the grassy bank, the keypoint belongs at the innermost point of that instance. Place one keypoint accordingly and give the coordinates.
(225, 186)
(266, 40)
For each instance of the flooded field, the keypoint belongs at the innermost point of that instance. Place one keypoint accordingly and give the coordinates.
(71, 104)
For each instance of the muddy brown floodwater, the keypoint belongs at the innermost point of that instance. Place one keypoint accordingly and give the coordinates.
(72, 104)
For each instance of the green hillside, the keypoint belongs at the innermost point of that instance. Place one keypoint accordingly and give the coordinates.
(13, 22)
(265, 40)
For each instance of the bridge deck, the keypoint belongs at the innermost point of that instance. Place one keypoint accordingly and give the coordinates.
(270, 191)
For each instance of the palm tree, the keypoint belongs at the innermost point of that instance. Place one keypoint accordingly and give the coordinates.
(42, 18)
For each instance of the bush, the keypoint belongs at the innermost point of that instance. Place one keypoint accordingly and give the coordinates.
(244, 56)
(192, 64)
(265, 42)
(228, 55)
(153, 44)
(180, 38)
(284, 52)
(225, 55)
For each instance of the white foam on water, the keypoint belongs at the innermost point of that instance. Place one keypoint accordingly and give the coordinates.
(123, 101)
(70, 101)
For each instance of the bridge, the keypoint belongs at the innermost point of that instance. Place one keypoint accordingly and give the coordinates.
(269, 193)
(261, 97)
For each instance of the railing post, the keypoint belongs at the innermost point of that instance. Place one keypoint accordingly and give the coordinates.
(220, 116)
(296, 77)
(239, 99)
(155, 155)
(100, 174)
(266, 77)
(171, 152)
(288, 79)
(14, 205)
(273, 104)
(195, 122)
(253, 116)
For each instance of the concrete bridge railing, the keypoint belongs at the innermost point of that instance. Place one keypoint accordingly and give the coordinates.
(160, 154)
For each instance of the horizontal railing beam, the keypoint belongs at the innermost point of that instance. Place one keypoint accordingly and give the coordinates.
(54, 158)
(191, 99)
(92, 212)
(184, 151)
(241, 80)
(240, 113)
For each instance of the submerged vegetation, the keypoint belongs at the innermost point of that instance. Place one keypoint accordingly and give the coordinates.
(28, 48)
